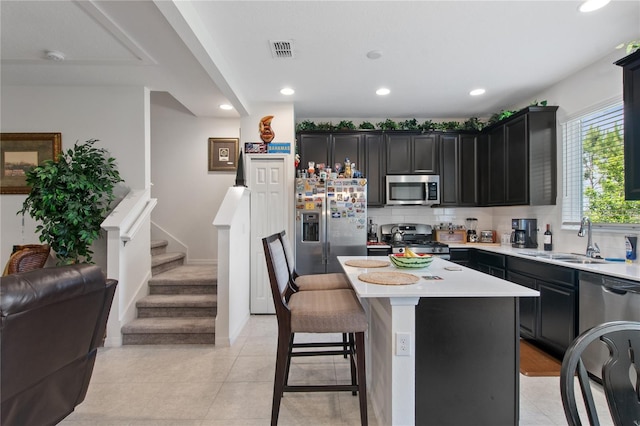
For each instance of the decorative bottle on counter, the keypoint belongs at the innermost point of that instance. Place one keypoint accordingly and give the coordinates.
(548, 243)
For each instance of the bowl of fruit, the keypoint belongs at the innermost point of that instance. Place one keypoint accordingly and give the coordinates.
(409, 259)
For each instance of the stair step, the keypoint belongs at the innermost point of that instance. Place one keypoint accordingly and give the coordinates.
(166, 261)
(181, 305)
(185, 279)
(157, 331)
(178, 305)
(158, 247)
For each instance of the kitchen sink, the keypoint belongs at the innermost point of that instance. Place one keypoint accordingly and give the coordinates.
(584, 261)
(564, 257)
(555, 256)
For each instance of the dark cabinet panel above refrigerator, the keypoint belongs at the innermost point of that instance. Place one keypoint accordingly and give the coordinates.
(364, 149)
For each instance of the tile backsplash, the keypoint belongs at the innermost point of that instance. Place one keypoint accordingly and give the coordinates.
(611, 243)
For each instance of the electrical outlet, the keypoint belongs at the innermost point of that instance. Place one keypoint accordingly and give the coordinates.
(403, 344)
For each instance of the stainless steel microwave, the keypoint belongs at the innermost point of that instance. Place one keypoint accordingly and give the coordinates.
(416, 190)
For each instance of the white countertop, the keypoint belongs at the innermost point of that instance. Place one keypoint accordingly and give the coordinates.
(460, 283)
(630, 271)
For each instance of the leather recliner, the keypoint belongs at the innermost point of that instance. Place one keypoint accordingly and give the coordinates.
(52, 321)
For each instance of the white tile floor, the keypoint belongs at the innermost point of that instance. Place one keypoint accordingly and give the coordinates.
(192, 385)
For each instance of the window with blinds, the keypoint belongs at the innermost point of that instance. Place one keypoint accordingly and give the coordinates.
(593, 159)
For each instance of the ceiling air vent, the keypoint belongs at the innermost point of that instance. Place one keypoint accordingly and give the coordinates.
(281, 49)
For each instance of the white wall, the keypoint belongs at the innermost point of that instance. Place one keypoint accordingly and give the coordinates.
(115, 115)
(188, 194)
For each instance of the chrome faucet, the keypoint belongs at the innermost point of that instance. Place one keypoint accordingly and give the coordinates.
(592, 249)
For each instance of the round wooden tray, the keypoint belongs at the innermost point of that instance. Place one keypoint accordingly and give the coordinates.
(389, 278)
(367, 263)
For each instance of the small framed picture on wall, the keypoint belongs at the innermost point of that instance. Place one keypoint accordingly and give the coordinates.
(223, 154)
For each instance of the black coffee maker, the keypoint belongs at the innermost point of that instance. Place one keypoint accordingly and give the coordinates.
(524, 233)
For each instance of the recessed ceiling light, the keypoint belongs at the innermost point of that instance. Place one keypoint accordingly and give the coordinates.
(374, 54)
(591, 5)
(287, 91)
(477, 92)
(54, 55)
(226, 107)
(383, 91)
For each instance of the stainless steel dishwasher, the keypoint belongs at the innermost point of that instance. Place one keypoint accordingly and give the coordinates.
(602, 299)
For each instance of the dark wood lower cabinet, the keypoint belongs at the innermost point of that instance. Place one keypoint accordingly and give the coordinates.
(557, 317)
(551, 319)
(459, 256)
(490, 263)
(528, 306)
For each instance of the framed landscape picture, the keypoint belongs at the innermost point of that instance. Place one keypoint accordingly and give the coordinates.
(20, 152)
(223, 154)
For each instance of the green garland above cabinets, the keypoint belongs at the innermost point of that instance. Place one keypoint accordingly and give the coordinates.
(472, 124)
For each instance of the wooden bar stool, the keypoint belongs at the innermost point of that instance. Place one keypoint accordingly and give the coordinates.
(326, 311)
(314, 282)
(329, 281)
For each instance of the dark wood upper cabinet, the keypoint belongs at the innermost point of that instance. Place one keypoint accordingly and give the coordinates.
(412, 153)
(399, 153)
(631, 95)
(458, 170)
(496, 168)
(449, 153)
(517, 162)
(425, 153)
(313, 147)
(468, 170)
(374, 169)
(343, 146)
(520, 158)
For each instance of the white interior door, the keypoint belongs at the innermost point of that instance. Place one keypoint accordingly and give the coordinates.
(268, 216)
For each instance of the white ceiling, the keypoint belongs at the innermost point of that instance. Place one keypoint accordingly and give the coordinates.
(210, 52)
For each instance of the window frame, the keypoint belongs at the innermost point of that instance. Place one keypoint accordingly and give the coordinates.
(569, 224)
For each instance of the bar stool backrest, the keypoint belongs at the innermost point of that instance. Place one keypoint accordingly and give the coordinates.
(620, 373)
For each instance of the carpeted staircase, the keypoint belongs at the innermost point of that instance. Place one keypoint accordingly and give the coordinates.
(181, 305)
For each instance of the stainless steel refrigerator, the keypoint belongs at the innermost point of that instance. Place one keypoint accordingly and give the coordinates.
(330, 221)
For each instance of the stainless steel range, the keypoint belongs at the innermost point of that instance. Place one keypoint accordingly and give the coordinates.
(417, 236)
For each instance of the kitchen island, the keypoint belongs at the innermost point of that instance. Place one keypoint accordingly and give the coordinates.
(442, 351)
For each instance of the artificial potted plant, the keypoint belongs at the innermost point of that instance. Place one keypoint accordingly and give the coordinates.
(71, 197)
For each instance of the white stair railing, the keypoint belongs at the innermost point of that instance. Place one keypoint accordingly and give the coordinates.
(128, 257)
